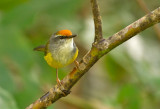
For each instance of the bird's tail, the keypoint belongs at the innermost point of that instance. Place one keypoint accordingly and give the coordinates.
(40, 48)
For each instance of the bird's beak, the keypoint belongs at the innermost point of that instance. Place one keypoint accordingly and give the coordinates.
(68, 37)
(72, 36)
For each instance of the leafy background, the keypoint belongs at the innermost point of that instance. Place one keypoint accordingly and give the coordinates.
(126, 78)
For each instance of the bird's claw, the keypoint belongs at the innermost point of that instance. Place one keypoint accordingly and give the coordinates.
(59, 82)
(66, 92)
(77, 65)
(60, 85)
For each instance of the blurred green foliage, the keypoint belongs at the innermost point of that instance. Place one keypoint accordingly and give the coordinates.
(131, 74)
(7, 101)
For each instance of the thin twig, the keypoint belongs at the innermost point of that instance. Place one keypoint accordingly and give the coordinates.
(144, 7)
(98, 49)
(156, 28)
(97, 20)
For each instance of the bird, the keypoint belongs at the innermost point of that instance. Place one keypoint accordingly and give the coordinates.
(60, 51)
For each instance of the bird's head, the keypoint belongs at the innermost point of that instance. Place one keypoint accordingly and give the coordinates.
(64, 34)
(62, 37)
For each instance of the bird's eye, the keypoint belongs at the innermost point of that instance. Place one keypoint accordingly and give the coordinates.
(62, 37)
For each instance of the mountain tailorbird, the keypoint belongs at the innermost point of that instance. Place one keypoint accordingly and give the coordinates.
(60, 50)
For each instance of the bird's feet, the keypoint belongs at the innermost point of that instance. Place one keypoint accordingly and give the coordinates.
(59, 82)
(77, 65)
(66, 92)
(60, 85)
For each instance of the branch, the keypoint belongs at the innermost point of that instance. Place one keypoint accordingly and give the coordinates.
(98, 49)
(97, 20)
(144, 7)
(131, 30)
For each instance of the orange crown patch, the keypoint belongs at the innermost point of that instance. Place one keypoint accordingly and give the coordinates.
(64, 33)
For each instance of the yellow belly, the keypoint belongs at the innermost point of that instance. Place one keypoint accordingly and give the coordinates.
(53, 63)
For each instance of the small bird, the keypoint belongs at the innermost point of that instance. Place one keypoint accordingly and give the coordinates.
(60, 50)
